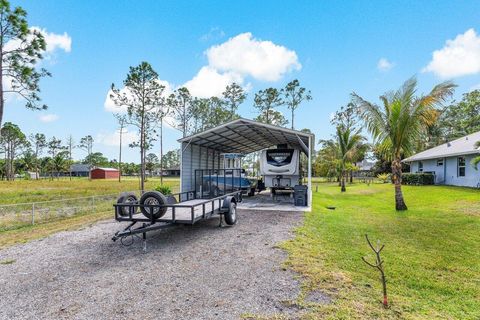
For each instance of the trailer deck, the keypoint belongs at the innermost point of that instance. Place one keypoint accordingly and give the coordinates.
(188, 211)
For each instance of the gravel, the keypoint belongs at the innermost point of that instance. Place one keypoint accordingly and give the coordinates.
(188, 272)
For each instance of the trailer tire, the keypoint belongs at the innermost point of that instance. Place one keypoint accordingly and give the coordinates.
(231, 214)
(153, 198)
(125, 198)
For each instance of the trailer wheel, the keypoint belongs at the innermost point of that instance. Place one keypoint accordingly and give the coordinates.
(127, 198)
(153, 198)
(231, 214)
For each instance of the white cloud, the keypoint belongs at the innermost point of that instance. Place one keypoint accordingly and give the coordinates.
(54, 42)
(233, 61)
(210, 83)
(112, 139)
(247, 56)
(384, 65)
(48, 117)
(215, 33)
(459, 57)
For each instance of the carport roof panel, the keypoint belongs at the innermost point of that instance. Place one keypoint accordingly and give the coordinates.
(246, 136)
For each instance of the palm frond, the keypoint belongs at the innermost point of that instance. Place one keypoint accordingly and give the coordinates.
(371, 113)
(475, 162)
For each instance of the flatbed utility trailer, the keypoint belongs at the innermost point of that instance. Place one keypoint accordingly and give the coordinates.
(183, 209)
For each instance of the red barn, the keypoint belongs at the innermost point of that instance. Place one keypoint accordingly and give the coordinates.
(104, 173)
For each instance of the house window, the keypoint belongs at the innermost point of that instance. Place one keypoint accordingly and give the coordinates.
(439, 162)
(461, 166)
(420, 166)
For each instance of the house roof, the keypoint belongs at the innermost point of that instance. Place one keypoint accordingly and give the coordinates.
(105, 169)
(80, 167)
(462, 146)
(246, 136)
(365, 165)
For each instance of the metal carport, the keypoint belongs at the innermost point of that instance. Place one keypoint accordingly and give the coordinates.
(203, 150)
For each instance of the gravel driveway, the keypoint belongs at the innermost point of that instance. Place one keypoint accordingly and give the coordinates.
(188, 272)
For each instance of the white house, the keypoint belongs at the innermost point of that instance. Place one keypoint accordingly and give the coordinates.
(450, 162)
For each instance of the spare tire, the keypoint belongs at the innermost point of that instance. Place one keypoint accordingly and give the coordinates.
(153, 198)
(127, 198)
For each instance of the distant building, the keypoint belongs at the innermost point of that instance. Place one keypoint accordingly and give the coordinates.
(364, 169)
(80, 170)
(33, 175)
(104, 173)
(450, 162)
(174, 171)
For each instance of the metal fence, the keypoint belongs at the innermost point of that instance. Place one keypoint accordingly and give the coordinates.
(17, 215)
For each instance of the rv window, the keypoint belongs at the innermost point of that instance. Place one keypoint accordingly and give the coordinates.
(461, 166)
(439, 162)
(279, 157)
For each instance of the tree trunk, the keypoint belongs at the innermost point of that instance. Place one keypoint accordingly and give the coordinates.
(351, 176)
(142, 162)
(397, 180)
(161, 151)
(293, 119)
(2, 101)
(343, 189)
(120, 157)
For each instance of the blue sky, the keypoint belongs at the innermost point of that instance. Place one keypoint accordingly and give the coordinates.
(333, 48)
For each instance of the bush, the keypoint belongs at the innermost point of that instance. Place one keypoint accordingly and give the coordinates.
(384, 177)
(418, 179)
(166, 190)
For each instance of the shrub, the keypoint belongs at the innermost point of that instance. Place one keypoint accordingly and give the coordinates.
(418, 178)
(166, 190)
(384, 177)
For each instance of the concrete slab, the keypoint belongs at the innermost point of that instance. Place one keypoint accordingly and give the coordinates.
(264, 201)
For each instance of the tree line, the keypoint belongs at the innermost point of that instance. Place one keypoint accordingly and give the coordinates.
(148, 106)
(35, 153)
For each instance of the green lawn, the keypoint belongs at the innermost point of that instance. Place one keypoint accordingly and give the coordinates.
(432, 252)
(15, 220)
(20, 191)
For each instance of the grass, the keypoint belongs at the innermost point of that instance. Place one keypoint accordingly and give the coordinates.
(21, 191)
(432, 253)
(15, 222)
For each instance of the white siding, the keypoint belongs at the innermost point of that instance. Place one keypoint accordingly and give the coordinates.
(448, 173)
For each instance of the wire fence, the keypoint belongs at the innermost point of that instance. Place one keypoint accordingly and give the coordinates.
(13, 216)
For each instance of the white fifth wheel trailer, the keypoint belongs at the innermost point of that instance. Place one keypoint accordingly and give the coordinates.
(280, 168)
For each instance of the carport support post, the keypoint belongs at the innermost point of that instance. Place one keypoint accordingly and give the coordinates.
(309, 171)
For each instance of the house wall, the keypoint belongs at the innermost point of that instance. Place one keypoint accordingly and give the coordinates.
(102, 174)
(448, 173)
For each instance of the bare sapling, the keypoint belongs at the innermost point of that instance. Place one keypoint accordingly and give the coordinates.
(379, 266)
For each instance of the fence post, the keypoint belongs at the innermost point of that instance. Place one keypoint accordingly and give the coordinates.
(33, 213)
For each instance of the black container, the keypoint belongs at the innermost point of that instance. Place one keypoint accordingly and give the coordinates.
(300, 195)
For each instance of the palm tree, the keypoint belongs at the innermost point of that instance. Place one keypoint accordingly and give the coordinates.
(347, 142)
(476, 160)
(59, 163)
(398, 124)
